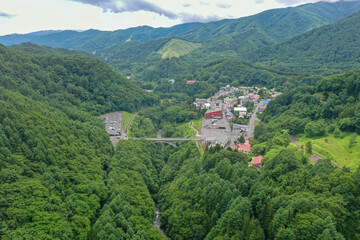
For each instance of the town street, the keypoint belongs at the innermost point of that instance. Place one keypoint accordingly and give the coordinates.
(251, 128)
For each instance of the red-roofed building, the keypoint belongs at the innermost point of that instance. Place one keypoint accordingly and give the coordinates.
(245, 147)
(263, 107)
(214, 114)
(257, 161)
(191, 82)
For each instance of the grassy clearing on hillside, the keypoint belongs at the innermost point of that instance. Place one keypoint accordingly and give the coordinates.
(184, 129)
(197, 123)
(337, 149)
(177, 48)
(126, 118)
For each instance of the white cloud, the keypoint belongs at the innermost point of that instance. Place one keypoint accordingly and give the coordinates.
(35, 15)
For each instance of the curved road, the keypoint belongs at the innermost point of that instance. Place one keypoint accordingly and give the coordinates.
(128, 125)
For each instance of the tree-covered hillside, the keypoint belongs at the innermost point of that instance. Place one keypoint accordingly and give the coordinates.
(329, 48)
(38, 50)
(334, 103)
(218, 196)
(84, 82)
(52, 181)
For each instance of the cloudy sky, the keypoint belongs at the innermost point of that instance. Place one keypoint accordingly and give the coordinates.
(23, 16)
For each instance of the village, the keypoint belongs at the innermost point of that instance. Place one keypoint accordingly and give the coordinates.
(231, 117)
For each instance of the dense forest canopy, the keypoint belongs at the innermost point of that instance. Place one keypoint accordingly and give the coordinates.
(333, 102)
(84, 82)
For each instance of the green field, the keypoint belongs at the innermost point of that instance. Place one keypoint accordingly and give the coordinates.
(177, 48)
(336, 149)
(126, 118)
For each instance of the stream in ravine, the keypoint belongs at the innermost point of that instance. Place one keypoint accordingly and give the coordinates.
(157, 222)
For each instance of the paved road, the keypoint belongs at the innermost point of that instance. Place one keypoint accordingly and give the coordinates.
(315, 158)
(128, 125)
(191, 124)
(251, 126)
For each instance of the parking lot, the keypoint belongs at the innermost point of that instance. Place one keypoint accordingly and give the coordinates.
(215, 127)
(113, 122)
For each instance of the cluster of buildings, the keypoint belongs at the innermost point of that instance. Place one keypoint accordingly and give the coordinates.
(263, 105)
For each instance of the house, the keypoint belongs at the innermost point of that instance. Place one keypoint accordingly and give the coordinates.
(199, 103)
(229, 115)
(210, 141)
(172, 81)
(257, 161)
(191, 82)
(237, 128)
(222, 140)
(242, 111)
(244, 147)
(217, 113)
(276, 94)
(265, 101)
(262, 107)
(207, 105)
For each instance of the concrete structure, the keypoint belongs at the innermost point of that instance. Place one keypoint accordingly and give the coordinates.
(214, 114)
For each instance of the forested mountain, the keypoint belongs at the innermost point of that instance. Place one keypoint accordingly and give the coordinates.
(92, 40)
(278, 24)
(235, 38)
(334, 46)
(51, 169)
(84, 82)
(135, 49)
(38, 50)
(333, 101)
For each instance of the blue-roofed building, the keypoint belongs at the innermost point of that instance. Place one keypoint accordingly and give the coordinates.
(265, 101)
(172, 81)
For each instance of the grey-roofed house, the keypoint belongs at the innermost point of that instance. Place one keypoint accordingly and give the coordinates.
(222, 140)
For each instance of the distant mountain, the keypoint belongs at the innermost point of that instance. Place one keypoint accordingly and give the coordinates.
(279, 24)
(41, 50)
(233, 38)
(334, 46)
(92, 40)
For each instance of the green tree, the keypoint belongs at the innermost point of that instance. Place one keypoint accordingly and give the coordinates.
(308, 147)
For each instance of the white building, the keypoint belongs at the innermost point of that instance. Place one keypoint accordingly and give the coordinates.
(242, 111)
